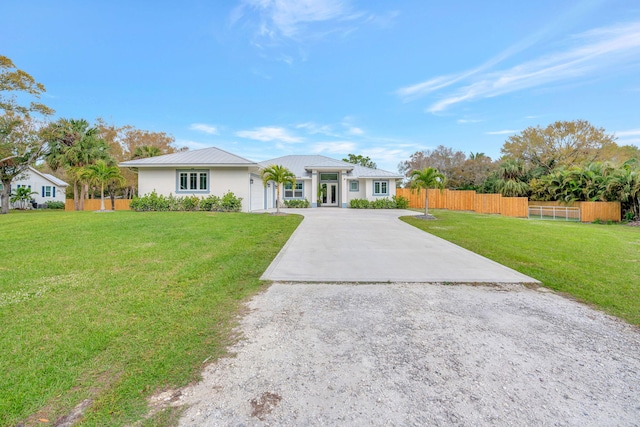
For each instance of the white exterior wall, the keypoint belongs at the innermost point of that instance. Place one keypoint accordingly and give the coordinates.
(164, 181)
(257, 193)
(360, 194)
(37, 182)
(368, 185)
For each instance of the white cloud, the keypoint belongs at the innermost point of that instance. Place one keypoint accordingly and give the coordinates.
(288, 18)
(593, 53)
(269, 134)
(631, 132)
(334, 147)
(502, 132)
(210, 129)
(314, 128)
(355, 131)
(463, 121)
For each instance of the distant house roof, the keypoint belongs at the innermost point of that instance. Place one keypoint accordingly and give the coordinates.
(57, 181)
(302, 165)
(205, 157)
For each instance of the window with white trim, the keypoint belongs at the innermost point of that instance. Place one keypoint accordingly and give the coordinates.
(46, 191)
(192, 181)
(291, 193)
(354, 186)
(380, 188)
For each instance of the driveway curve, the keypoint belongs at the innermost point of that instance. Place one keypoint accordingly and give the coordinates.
(362, 245)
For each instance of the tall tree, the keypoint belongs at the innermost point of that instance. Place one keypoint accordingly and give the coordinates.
(280, 176)
(15, 81)
(101, 173)
(73, 145)
(563, 143)
(426, 178)
(447, 161)
(20, 147)
(360, 160)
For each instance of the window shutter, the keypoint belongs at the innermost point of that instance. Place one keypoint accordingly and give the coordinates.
(54, 191)
(43, 191)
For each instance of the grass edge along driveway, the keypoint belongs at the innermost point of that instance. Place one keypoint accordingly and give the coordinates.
(596, 264)
(113, 307)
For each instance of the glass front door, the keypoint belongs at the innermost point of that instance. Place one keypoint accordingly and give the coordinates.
(330, 196)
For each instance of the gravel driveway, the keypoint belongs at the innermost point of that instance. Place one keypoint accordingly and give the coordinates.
(421, 354)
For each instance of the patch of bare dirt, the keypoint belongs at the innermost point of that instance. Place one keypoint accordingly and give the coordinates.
(262, 406)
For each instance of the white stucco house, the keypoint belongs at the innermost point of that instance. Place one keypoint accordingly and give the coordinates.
(48, 187)
(215, 171)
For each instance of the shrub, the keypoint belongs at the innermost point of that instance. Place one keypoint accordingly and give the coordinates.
(54, 205)
(383, 204)
(231, 203)
(296, 203)
(401, 202)
(359, 204)
(154, 202)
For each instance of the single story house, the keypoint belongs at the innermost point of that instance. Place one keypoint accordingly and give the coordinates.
(215, 171)
(47, 187)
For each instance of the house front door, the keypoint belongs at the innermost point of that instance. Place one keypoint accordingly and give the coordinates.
(330, 198)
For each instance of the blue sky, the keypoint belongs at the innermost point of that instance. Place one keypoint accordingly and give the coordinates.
(265, 78)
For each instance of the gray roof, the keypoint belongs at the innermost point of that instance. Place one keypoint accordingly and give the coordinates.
(205, 157)
(51, 178)
(302, 165)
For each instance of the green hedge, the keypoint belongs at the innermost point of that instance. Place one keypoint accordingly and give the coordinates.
(154, 202)
(296, 203)
(396, 202)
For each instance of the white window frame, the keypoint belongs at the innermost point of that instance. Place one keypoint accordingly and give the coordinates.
(380, 188)
(357, 186)
(192, 181)
(290, 193)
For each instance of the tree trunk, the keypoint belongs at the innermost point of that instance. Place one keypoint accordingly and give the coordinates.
(277, 198)
(102, 198)
(83, 195)
(426, 202)
(76, 205)
(6, 187)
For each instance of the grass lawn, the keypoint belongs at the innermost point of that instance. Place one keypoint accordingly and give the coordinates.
(116, 306)
(597, 264)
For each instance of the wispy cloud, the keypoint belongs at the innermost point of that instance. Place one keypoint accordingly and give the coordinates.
(502, 132)
(269, 134)
(210, 129)
(630, 132)
(587, 54)
(334, 147)
(289, 18)
(463, 121)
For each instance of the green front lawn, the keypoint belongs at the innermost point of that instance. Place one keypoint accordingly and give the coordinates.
(597, 264)
(116, 306)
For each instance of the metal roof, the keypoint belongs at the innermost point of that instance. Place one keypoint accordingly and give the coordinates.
(301, 165)
(207, 156)
(49, 177)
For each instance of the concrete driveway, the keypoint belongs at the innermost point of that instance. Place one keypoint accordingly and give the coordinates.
(354, 245)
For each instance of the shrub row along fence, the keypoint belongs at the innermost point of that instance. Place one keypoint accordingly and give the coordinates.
(469, 200)
(94, 204)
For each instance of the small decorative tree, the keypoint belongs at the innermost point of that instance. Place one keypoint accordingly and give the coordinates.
(426, 178)
(101, 174)
(22, 196)
(280, 176)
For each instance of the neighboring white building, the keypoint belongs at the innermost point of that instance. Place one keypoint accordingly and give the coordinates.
(48, 187)
(211, 171)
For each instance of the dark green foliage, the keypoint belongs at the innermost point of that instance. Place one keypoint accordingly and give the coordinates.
(359, 204)
(401, 202)
(396, 202)
(54, 205)
(296, 203)
(154, 202)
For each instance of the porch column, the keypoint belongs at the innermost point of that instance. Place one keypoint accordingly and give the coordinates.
(343, 188)
(314, 189)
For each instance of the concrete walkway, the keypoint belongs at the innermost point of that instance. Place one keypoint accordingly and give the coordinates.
(354, 245)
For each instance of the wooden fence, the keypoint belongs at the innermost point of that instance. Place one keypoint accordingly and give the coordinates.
(590, 211)
(94, 204)
(464, 200)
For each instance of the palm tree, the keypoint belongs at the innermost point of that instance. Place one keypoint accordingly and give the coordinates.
(281, 176)
(625, 184)
(101, 173)
(21, 196)
(426, 178)
(511, 182)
